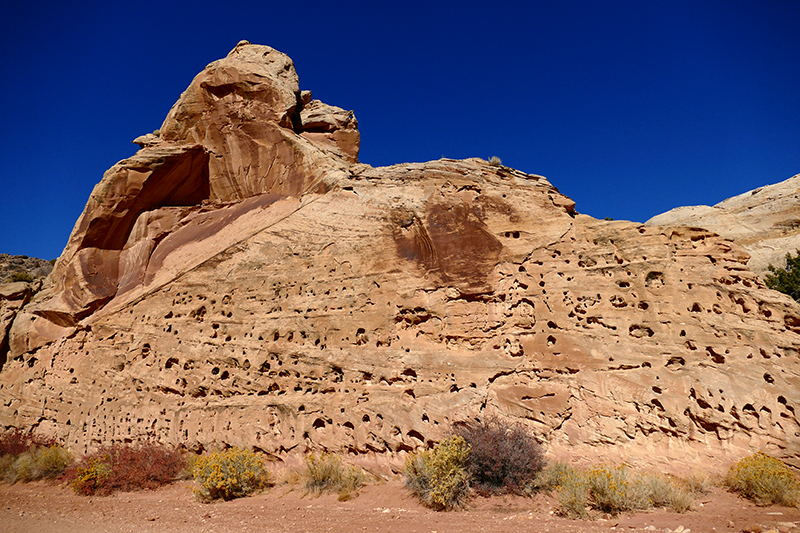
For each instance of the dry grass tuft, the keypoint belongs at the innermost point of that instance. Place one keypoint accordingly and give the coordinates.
(328, 474)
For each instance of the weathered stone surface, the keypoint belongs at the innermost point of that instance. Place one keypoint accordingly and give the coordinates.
(237, 132)
(18, 264)
(367, 314)
(764, 221)
(12, 297)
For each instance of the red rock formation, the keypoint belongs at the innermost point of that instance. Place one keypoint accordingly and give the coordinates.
(764, 222)
(243, 281)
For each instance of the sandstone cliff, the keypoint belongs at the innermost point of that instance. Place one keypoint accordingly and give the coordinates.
(243, 280)
(765, 222)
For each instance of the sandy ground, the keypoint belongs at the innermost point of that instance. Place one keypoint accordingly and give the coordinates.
(386, 507)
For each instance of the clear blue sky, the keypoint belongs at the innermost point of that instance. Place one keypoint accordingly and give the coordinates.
(629, 107)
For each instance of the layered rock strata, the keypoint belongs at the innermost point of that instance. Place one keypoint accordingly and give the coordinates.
(244, 281)
(765, 222)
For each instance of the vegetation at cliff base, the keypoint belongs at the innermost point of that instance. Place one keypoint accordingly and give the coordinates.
(29, 457)
(328, 474)
(439, 477)
(504, 457)
(229, 474)
(121, 467)
(765, 480)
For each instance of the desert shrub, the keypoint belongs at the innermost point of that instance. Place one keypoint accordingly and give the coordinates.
(187, 469)
(328, 473)
(786, 280)
(29, 457)
(765, 480)
(21, 276)
(659, 491)
(6, 466)
(614, 490)
(15, 442)
(91, 476)
(439, 477)
(229, 474)
(38, 463)
(573, 493)
(495, 161)
(125, 468)
(697, 483)
(680, 501)
(504, 457)
(550, 477)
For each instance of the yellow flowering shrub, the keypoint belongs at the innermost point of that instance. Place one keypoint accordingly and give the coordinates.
(439, 477)
(572, 491)
(613, 490)
(765, 480)
(229, 474)
(92, 475)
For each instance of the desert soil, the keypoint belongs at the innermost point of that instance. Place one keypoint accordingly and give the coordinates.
(386, 507)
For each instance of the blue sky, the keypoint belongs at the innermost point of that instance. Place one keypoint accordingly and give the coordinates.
(629, 107)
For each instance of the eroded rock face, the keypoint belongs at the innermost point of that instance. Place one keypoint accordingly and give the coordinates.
(22, 264)
(764, 221)
(364, 309)
(239, 131)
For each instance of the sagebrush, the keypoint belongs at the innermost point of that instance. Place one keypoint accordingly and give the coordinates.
(21, 276)
(229, 474)
(439, 477)
(37, 463)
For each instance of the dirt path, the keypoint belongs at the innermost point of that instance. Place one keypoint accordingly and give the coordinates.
(43, 508)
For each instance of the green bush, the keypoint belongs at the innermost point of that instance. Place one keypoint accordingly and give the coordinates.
(765, 480)
(329, 474)
(125, 468)
(21, 276)
(786, 280)
(504, 457)
(439, 477)
(229, 474)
